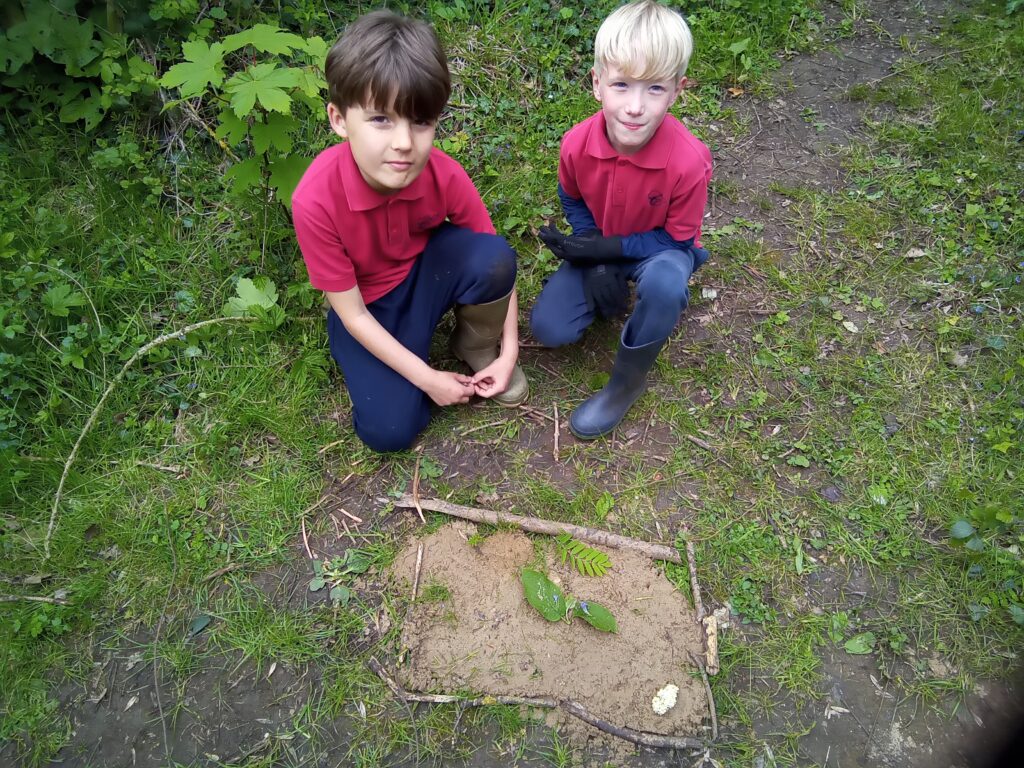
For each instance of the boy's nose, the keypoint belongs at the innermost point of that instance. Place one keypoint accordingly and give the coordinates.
(401, 137)
(635, 103)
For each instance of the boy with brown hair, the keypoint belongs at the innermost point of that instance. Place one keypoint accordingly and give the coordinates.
(395, 234)
(633, 185)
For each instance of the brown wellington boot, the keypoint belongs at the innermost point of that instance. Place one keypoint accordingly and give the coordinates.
(475, 342)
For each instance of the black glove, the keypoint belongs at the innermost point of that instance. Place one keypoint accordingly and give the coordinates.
(606, 289)
(582, 250)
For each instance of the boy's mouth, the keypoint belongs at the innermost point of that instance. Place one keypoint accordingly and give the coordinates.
(400, 165)
(632, 126)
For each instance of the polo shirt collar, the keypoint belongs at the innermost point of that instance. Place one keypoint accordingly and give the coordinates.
(653, 155)
(361, 196)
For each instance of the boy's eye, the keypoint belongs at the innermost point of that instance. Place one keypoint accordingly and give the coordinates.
(657, 89)
(425, 123)
(378, 119)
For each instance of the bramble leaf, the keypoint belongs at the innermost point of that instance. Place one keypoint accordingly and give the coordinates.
(204, 66)
(544, 595)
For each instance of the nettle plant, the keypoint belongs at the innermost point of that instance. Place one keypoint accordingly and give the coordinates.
(260, 82)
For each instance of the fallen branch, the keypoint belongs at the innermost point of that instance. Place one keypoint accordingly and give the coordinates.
(711, 697)
(711, 642)
(539, 525)
(574, 708)
(691, 562)
(554, 452)
(32, 599)
(103, 399)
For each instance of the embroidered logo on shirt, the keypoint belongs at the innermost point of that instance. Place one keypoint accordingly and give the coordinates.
(654, 198)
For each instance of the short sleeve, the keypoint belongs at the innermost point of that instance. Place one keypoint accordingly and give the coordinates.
(327, 261)
(686, 209)
(465, 208)
(567, 172)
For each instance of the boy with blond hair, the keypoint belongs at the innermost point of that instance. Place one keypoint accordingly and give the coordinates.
(395, 234)
(633, 184)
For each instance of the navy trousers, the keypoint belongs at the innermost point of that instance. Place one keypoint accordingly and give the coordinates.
(458, 266)
(561, 314)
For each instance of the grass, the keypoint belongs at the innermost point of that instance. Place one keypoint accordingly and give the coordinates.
(211, 449)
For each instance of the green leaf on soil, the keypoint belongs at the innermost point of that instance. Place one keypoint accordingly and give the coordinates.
(544, 595)
(198, 624)
(961, 530)
(860, 644)
(596, 615)
(588, 561)
(317, 583)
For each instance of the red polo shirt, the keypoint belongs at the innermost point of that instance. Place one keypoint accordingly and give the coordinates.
(664, 184)
(351, 235)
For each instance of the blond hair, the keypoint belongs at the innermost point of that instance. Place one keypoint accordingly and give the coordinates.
(646, 40)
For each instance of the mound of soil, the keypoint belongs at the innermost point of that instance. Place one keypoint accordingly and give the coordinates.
(473, 629)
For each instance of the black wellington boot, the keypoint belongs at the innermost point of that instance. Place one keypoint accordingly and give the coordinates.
(602, 413)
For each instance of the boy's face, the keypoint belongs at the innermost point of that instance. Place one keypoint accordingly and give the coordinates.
(633, 109)
(390, 150)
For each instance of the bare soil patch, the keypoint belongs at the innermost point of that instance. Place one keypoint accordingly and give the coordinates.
(482, 635)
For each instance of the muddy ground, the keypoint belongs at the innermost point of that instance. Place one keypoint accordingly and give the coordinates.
(228, 709)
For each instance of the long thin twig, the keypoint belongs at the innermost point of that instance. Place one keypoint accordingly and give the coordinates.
(711, 697)
(574, 708)
(416, 578)
(547, 527)
(33, 599)
(103, 399)
(416, 486)
(554, 452)
(156, 641)
(691, 562)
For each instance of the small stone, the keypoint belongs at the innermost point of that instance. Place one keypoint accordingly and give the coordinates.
(831, 493)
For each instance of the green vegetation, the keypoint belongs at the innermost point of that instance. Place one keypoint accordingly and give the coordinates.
(864, 436)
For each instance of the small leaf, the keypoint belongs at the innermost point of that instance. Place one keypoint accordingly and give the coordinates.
(266, 38)
(341, 595)
(59, 299)
(264, 82)
(317, 583)
(798, 461)
(259, 293)
(739, 47)
(961, 530)
(357, 561)
(285, 173)
(275, 133)
(851, 327)
(860, 644)
(544, 595)
(198, 624)
(1017, 613)
(596, 615)
(204, 66)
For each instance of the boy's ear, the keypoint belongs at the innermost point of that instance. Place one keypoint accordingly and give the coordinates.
(337, 120)
(595, 80)
(679, 88)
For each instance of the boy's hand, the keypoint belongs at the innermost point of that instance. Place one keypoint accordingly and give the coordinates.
(495, 378)
(606, 289)
(582, 250)
(447, 388)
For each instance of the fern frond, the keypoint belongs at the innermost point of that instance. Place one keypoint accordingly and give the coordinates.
(587, 561)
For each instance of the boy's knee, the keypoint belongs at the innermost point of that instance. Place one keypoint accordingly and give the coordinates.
(495, 262)
(666, 283)
(386, 438)
(551, 329)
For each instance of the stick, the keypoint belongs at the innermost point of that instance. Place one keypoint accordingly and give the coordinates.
(99, 407)
(548, 527)
(305, 540)
(416, 486)
(711, 642)
(471, 430)
(691, 562)
(554, 452)
(32, 599)
(574, 708)
(711, 697)
(701, 443)
(222, 571)
(350, 516)
(416, 578)
(328, 447)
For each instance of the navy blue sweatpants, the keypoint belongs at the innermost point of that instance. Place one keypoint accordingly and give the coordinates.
(561, 314)
(458, 266)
